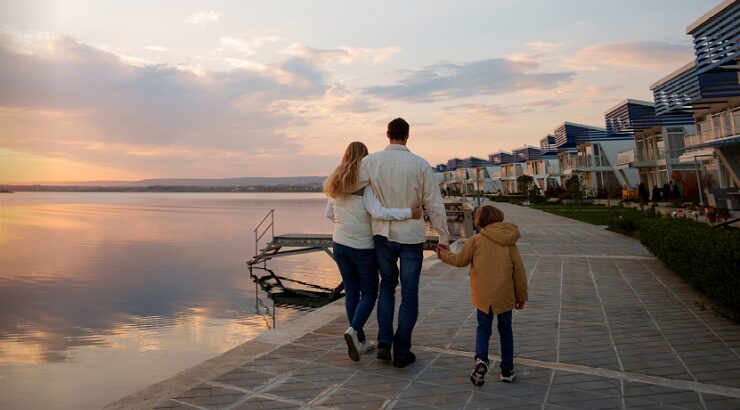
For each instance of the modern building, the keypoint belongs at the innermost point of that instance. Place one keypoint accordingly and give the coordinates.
(500, 157)
(547, 143)
(708, 89)
(545, 170)
(591, 153)
(716, 107)
(659, 140)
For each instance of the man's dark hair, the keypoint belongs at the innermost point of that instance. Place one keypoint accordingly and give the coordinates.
(398, 129)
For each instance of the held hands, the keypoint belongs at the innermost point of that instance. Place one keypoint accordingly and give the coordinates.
(519, 305)
(442, 249)
(415, 211)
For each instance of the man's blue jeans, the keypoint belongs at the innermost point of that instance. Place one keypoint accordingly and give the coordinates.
(359, 270)
(483, 335)
(411, 256)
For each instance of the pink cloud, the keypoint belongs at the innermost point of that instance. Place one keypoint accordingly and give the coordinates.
(651, 55)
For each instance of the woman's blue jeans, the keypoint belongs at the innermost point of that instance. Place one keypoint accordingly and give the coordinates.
(506, 335)
(359, 270)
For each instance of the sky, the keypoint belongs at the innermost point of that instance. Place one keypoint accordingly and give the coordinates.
(104, 90)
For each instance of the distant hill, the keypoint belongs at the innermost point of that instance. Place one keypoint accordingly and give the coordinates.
(195, 182)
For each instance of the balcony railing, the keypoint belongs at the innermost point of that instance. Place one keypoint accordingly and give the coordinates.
(725, 124)
(626, 157)
(654, 154)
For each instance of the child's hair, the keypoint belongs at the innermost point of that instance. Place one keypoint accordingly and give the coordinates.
(486, 215)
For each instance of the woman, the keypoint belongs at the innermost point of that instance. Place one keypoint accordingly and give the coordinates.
(350, 209)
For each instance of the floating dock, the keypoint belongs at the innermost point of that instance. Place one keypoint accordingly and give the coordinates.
(303, 294)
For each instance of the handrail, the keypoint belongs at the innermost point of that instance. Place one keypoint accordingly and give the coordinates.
(271, 225)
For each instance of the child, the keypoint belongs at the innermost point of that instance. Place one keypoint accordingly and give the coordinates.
(498, 284)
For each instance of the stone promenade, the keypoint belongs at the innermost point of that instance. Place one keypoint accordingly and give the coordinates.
(607, 326)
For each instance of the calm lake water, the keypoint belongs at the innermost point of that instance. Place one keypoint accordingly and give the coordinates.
(102, 294)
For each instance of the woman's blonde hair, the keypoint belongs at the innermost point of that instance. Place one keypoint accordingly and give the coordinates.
(344, 178)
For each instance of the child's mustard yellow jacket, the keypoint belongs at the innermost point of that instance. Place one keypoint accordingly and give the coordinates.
(497, 277)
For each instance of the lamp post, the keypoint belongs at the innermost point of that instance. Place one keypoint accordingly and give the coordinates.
(477, 184)
(698, 179)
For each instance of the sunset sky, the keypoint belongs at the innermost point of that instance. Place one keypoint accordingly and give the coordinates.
(101, 90)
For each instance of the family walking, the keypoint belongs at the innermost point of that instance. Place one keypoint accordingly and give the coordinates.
(375, 202)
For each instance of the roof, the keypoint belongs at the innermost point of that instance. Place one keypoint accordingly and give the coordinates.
(630, 101)
(673, 75)
(525, 147)
(575, 124)
(709, 15)
(500, 152)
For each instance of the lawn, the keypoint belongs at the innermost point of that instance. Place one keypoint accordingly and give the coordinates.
(593, 214)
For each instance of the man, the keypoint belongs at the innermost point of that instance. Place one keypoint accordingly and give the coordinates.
(401, 179)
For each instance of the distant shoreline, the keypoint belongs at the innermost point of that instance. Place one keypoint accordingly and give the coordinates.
(161, 188)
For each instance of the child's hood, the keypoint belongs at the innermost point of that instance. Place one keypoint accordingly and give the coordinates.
(503, 233)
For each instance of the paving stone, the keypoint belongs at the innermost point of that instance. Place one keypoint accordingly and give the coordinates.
(245, 379)
(258, 402)
(435, 395)
(211, 397)
(488, 401)
(292, 388)
(348, 399)
(173, 405)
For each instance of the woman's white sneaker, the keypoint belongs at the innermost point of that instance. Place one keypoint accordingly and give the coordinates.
(353, 344)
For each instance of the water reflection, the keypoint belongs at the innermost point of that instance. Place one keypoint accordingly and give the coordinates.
(102, 294)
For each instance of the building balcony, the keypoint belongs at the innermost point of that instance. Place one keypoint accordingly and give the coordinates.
(722, 125)
(626, 157)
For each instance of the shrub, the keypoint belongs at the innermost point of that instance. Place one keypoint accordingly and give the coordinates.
(707, 258)
(623, 222)
(554, 191)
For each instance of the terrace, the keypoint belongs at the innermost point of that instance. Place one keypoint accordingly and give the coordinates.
(716, 129)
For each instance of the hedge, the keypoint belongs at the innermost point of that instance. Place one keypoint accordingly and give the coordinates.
(707, 258)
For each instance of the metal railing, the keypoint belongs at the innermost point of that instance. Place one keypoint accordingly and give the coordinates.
(725, 124)
(626, 157)
(270, 227)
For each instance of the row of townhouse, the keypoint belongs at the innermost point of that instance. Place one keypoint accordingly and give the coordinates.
(573, 149)
(691, 126)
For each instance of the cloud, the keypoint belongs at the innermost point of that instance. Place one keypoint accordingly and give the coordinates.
(82, 93)
(156, 48)
(248, 45)
(651, 55)
(444, 81)
(498, 113)
(203, 17)
(344, 55)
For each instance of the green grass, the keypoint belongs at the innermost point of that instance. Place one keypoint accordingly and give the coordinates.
(593, 214)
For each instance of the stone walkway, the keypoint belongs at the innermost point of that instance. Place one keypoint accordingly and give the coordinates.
(607, 326)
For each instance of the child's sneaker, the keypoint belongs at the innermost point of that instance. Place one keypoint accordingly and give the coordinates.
(508, 376)
(478, 377)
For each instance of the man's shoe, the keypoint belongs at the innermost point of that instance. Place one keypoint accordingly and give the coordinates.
(478, 377)
(366, 346)
(384, 351)
(405, 361)
(508, 376)
(353, 344)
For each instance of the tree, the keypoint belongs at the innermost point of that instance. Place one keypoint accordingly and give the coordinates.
(687, 181)
(575, 188)
(524, 182)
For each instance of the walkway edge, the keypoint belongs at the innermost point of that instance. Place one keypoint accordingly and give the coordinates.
(207, 370)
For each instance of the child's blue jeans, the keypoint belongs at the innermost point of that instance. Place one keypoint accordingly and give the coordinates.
(483, 334)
